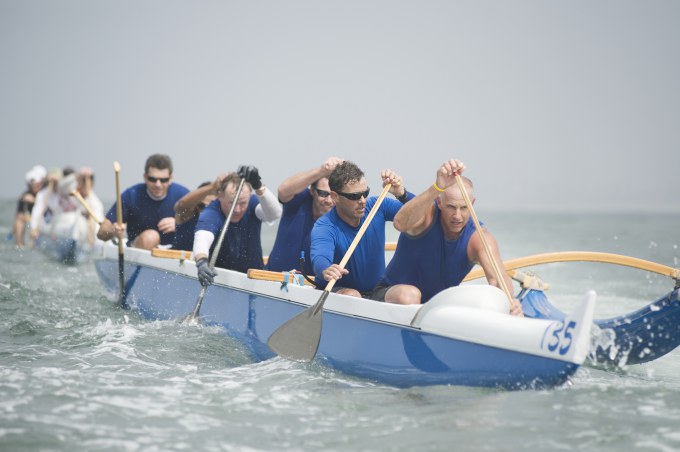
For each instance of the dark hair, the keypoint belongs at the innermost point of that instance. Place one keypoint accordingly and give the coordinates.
(203, 184)
(345, 173)
(67, 171)
(160, 161)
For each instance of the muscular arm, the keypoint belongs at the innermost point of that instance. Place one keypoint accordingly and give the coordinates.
(185, 208)
(477, 254)
(298, 182)
(416, 215)
(108, 230)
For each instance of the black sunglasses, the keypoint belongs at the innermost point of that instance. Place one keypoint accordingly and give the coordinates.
(322, 193)
(163, 180)
(355, 196)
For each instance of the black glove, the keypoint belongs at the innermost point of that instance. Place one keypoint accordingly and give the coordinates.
(251, 175)
(206, 275)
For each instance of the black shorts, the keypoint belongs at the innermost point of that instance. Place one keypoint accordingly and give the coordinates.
(376, 294)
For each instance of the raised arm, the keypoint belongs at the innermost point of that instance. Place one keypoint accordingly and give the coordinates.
(185, 208)
(269, 209)
(298, 182)
(417, 214)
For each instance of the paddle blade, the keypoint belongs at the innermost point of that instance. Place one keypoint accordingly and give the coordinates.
(298, 339)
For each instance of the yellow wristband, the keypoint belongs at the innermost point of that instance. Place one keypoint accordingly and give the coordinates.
(436, 187)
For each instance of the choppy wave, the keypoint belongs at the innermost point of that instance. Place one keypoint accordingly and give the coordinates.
(77, 373)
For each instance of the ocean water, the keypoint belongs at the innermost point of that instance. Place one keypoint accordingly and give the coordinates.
(77, 373)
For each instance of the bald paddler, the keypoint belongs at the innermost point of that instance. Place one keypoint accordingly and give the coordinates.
(439, 244)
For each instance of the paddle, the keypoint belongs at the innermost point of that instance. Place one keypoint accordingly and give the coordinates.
(87, 207)
(192, 318)
(119, 220)
(298, 339)
(583, 256)
(68, 186)
(489, 254)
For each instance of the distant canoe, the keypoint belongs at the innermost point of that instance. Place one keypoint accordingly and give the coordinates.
(66, 239)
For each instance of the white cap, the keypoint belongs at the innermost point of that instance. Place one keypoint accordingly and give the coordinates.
(37, 173)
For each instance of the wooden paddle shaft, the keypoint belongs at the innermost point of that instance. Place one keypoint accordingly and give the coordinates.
(87, 207)
(489, 254)
(583, 256)
(119, 220)
(298, 339)
(119, 203)
(360, 234)
(364, 226)
(225, 226)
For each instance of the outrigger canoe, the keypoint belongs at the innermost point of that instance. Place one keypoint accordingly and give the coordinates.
(463, 336)
(67, 239)
(633, 338)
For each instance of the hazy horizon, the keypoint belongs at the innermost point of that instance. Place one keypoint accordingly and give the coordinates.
(553, 106)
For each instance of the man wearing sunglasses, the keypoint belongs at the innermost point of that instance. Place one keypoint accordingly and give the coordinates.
(305, 197)
(148, 214)
(333, 234)
(439, 244)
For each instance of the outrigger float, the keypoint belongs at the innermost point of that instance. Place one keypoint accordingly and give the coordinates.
(463, 336)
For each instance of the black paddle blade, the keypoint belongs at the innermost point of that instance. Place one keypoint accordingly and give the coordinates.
(193, 318)
(298, 339)
(121, 280)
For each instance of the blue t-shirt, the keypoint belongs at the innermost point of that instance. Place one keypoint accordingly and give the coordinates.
(241, 248)
(293, 235)
(141, 212)
(331, 237)
(429, 261)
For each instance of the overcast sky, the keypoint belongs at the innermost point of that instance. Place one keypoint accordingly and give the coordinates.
(556, 105)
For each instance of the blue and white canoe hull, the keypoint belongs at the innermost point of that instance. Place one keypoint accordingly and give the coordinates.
(634, 338)
(443, 342)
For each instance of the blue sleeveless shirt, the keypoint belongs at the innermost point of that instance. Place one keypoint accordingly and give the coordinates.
(242, 247)
(430, 261)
